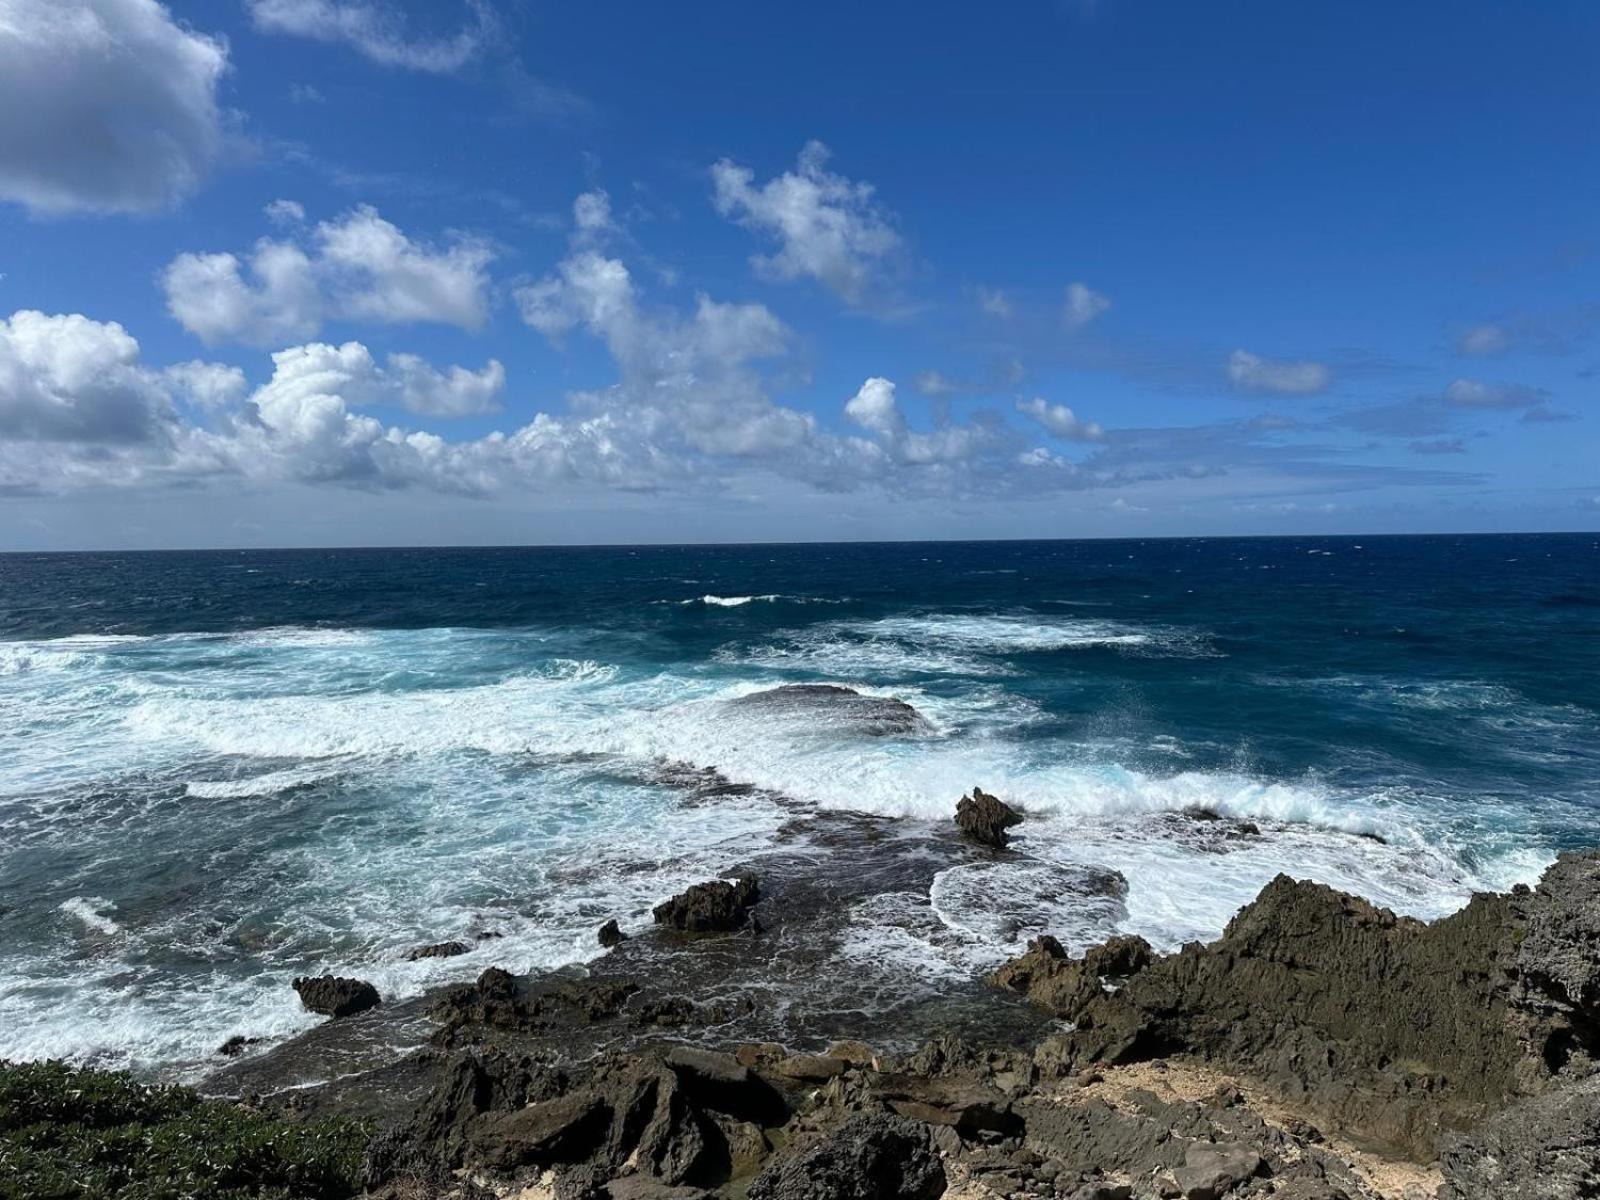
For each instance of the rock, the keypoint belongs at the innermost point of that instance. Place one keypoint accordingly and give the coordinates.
(810, 1068)
(708, 1066)
(1211, 1171)
(565, 1129)
(610, 935)
(333, 996)
(437, 950)
(874, 716)
(714, 907)
(866, 1158)
(985, 818)
(1544, 1148)
(236, 1045)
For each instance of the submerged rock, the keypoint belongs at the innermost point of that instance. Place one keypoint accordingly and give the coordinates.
(985, 818)
(437, 950)
(875, 716)
(714, 907)
(333, 996)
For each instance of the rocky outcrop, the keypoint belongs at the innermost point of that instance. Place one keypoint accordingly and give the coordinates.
(873, 716)
(872, 1157)
(714, 907)
(984, 819)
(498, 1002)
(611, 935)
(1398, 1030)
(1543, 1148)
(333, 996)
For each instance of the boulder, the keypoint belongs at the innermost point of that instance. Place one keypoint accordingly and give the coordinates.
(985, 818)
(333, 996)
(714, 907)
(610, 935)
(1211, 1171)
(874, 1157)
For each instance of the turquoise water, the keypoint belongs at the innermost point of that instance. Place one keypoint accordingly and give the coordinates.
(221, 770)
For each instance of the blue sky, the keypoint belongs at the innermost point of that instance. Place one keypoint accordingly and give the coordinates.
(296, 272)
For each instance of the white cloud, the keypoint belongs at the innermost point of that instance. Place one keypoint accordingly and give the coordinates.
(67, 378)
(360, 268)
(1475, 393)
(285, 212)
(1276, 376)
(1060, 420)
(875, 409)
(378, 30)
(828, 228)
(105, 105)
(994, 302)
(1082, 304)
(1483, 339)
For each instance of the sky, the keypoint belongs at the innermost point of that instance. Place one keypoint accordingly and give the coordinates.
(395, 272)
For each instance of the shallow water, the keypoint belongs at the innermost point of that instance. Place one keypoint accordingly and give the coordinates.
(218, 771)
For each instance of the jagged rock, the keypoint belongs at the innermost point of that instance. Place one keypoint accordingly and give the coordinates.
(1211, 1171)
(1395, 1029)
(985, 818)
(714, 907)
(236, 1045)
(874, 716)
(566, 1129)
(1049, 978)
(437, 950)
(333, 996)
(498, 1001)
(610, 935)
(867, 1158)
(1544, 1148)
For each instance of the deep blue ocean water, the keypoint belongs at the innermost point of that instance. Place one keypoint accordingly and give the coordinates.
(220, 770)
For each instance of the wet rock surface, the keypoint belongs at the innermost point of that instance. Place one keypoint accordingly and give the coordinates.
(879, 716)
(332, 996)
(715, 907)
(984, 819)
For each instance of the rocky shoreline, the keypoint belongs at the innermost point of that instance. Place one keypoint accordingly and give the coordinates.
(1321, 1049)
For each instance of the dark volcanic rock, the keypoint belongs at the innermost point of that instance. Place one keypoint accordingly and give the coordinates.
(333, 996)
(866, 1158)
(610, 935)
(1546, 1148)
(499, 1001)
(715, 907)
(985, 818)
(875, 716)
(1393, 1028)
(437, 950)
(236, 1045)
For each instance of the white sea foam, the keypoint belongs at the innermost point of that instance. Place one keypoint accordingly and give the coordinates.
(92, 912)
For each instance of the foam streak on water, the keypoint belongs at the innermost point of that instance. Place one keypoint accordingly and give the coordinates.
(298, 779)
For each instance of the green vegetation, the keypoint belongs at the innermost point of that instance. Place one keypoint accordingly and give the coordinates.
(68, 1134)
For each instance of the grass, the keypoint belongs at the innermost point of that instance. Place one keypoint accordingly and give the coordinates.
(71, 1134)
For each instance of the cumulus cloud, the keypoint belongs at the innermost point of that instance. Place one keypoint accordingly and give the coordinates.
(67, 378)
(1277, 376)
(285, 212)
(1475, 393)
(105, 105)
(1082, 305)
(360, 268)
(875, 409)
(351, 373)
(828, 228)
(1060, 420)
(379, 31)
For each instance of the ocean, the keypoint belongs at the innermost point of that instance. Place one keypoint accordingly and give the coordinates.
(221, 770)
